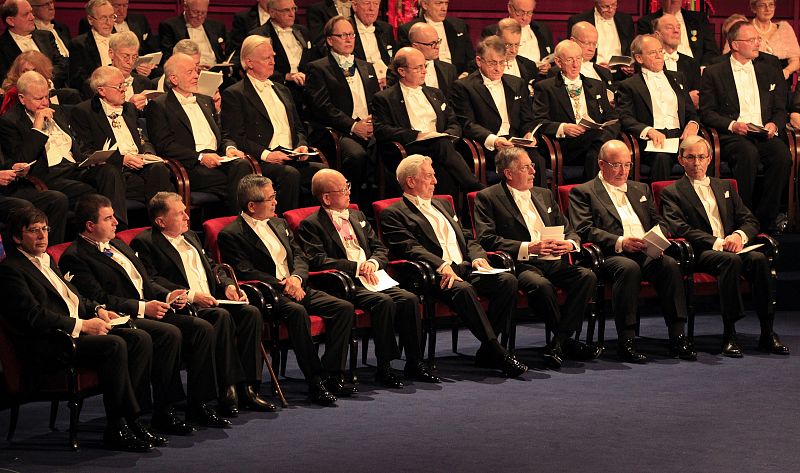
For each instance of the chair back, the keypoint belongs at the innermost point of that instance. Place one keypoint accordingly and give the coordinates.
(56, 251)
(563, 197)
(211, 228)
(128, 235)
(658, 187)
(471, 202)
(295, 216)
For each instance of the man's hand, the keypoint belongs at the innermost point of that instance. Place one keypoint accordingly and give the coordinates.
(95, 327)
(656, 137)
(232, 152)
(633, 245)
(133, 161)
(690, 130)
(232, 293)
(561, 247)
(7, 177)
(217, 98)
(572, 130)
(733, 243)
(627, 70)
(448, 277)
(210, 160)
(794, 119)
(301, 149)
(277, 157)
(297, 77)
(363, 129)
(178, 298)
(138, 101)
(382, 83)
(367, 271)
(695, 96)
(155, 309)
(107, 315)
(772, 129)
(502, 143)
(203, 300)
(739, 128)
(145, 69)
(540, 248)
(544, 69)
(42, 117)
(21, 169)
(424, 134)
(481, 263)
(293, 288)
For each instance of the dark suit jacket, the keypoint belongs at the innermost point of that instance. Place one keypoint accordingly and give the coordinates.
(101, 278)
(409, 235)
(137, 23)
(499, 222)
(597, 221)
(446, 75)
(704, 47)
(241, 248)
(606, 76)
(622, 21)
(478, 114)
(91, 125)
(687, 218)
(282, 66)
(543, 36)
(318, 14)
(552, 105)
(170, 131)
(84, 58)
(690, 70)
(172, 30)
(63, 30)
(163, 262)
(243, 22)
(458, 40)
(794, 107)
(246, 121)
(384, 35)
(719, 102)
(325, 250)
(634, 104)
(390, 119)
(528, 71)
(46, 43)
(328, 97)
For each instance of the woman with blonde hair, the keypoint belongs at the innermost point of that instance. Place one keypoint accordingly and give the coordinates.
(33, 61)
(777, 38)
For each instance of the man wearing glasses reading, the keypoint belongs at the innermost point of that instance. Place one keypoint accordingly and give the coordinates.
(456, 44)
(194, 24)
(438, 74)
(709, 213)
(91, 49)
(614, 213)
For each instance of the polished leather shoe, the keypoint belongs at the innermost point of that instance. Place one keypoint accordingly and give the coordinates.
(206, 416)
(577, 350)
(512, 367)
(145, 435)
(627, 351)
(337, 386)
(552, 356)
(770, 343)
(250, 399)
(168, 422)
(680, 347)
(124, 439)
(386, 378)
(320, 395)
(730, 348)
(419, 372)
(227, 405)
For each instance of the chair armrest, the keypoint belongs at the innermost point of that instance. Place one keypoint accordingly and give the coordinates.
(590, 257)
(37, 183)
(181, 180)
(334, 282)
(412, 275)
(712, 136)
(681, 250)
(255, 167)
(770, 248)
(64, 346)
(636, 156)
(322, 158)
(501, 259)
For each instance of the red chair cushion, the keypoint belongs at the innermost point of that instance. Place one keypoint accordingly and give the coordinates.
(317, 328)
(128, 235)
(563, 196)
(56, 251)
(212, 228)
(471, 202)
(295, 216)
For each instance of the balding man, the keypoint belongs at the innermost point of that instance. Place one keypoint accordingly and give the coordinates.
(246, 20)
(185, 126)
(336, 237)
(655, 105)
(614, 29)
(421, 228)
(90, 50)
(697, 36)
(509, 30)
(668, 30)
(536, 40)
(374, 38)
(123, 49)
(261, 116)
(614, 213)
(561, 102)
(194, 24)
(21, 35)
(456, 45)
(438, 73)
(410, 111)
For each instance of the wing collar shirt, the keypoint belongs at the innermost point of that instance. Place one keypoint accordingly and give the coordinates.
(664, 100)
(273, 244)
(192, 266)
(127, 266)
(122, 135)
(608, 43)
(59, 144)
(431, 78)
(276, 110)
(445, 233)
(512, 68)
(62, 48)
(684, 47)
(25, 43)
(529, 44)
(744, 76)
(356, 254)
(498, 93)
(42, 263)
(421, 114)
(372, 51)
(444, 47)
(292, 46)
(263, 16)
(578, 103)
(102, 47)
(356, 85)
(199, 36)
(632, 226)
(702, 188)
(204, 138)
(671, 61)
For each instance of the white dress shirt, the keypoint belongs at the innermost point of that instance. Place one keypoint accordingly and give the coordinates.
(199, 36)
(204, 138)
(102, 47)
(664, 100)
(588, 70)
(263, 15)
(356, 84)
(62, 48)
(192, 266)
(25, 43)
(512, 68)
(293, 48)
(59, 144)
(744, 76)
(431, 78)
(445, 233)
(282, 132)
(347, 235)
(671, 61)
(421, 114)
(581, 111)
(127, 266)
(498, 93)
(632, 226)
(532, 220)
(276, 249)
(123, 136)
(444, 47)
(42, 263)
(529, 44)
(608, 43)
(684, 47)
(372, 52)
(703, 190)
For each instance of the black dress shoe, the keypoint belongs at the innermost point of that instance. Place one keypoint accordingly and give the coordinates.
(419, 372)
(250, 400)
(679, 347)
(770, 343)
(226, 404)
(627, 351)
(577, 350)
(145, 435)
(125, 440)
(166, 421)
(512, 367)
(338, 387)
(552, 355)
(730, 348)
(386, 378)
(206, 416)
(320, 395)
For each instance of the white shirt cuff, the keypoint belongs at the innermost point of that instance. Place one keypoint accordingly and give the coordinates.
(489, 143)
(140, 313)
(730, 126)
(575, 245)
(618, 245)
(643, 134)
(560, 131)
(190, 295)
(264, 154)
(718, 244)
(743, 235)
(522, 254)
(76, 331)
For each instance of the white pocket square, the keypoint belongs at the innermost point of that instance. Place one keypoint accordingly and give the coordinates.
(517, 97)
(549, 210)
(362, 223)
(681, 86)
(444, 106)
(144, 36)
(287, 231)
(459, 34)
(68, 276)
(455, 218)
(371, 77)
(727, 195)
(308, 44)
(220, 40)
(771, 87)
(597, 97)
(643, 199)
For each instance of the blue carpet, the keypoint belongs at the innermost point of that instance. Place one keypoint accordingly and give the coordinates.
(716, 414)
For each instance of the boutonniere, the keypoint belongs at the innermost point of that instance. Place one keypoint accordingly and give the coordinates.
(771, 87)
(549, 210)
(455, 218)
(362, 223)
(597, 97)
(643, 199)
(694, 35)
(371, 77)
(517, 97)
(308, 44)
(444, 106)
(68, 276)
(681, 86)
(459, 34)
(220, 40)
(727, 195)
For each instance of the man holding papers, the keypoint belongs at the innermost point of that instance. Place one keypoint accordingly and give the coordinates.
(336, 237)
(655, 106)
(615, 213)
(423, 229)
(709, 213)
(518, 218)
(123, 49)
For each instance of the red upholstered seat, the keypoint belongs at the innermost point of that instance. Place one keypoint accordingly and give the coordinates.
(55, 251)
(128, 235)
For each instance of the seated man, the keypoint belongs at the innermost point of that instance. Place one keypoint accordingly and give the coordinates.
(320, 13)
(173, 256)
(108, 119)
(194, 24)
(37, 299)
(614, 29)
(709, 213)
(698, 38)
(260, 246)
(492, 107)
(136, 23)
(438, 74)
(511, 216)
(335, 237)
(338, 94)
(21, 35)
(33, 132)
(737, 93)
(44, 17)
(409, 112)
(89, 50)
(668, 30)
(374, 38)
(655, 105)
(585, 34)
(107, 270)
(561, 102)
(185, 126)
(123, 51)
(536, 40)
(614, 214)
(510, 32)
(456, 44)
(260, 115)
(423, 229)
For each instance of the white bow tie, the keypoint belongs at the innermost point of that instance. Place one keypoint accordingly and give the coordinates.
(623, 188)
(671, 56)
(366, 29)
(705, 182)
(424, 203)
(284, 30)
(577, 83)
(748, 66)
(187, 100)
(340, 215)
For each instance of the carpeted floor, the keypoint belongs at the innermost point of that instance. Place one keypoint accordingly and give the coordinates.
(713, 415)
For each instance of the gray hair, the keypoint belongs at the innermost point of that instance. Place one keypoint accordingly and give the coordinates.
(159, 205)
(506, 157)
(125, 39)
(561, 46)
(691, 141)
(173, 61)
(509, 24)
(28, 79)
(186, 46)
(638, 42)
(409, 167)
(101, 76)
(249, 190)
(250, 44)
(92, 4)
(491, 43)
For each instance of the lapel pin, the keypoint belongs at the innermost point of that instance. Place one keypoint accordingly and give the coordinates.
(727, 195)
(643, 199)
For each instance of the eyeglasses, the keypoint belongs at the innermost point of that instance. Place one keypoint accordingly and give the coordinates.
(343, 191)
(572, 60)
(419, 68)
(104, 19)
(286, 11)
(128, 57)
(494, 63)
(511, 45)
(344, 35)
(696, 157)
(526, 168)
(522, 13)
(120, 87)
(654, 53)
(618, 166)
(751, 41)
(38, 230)
(432, 44)
(586, 43)
(269, 198)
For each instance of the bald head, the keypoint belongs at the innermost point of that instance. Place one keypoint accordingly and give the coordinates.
(422, 37)
(409, 64)
(585, 34)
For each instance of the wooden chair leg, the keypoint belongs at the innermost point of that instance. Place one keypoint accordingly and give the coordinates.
(454, 336)
(364, 349)
(12, 421)
(53, 414)
(74, 413)
(353, 359)
(276, 386)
